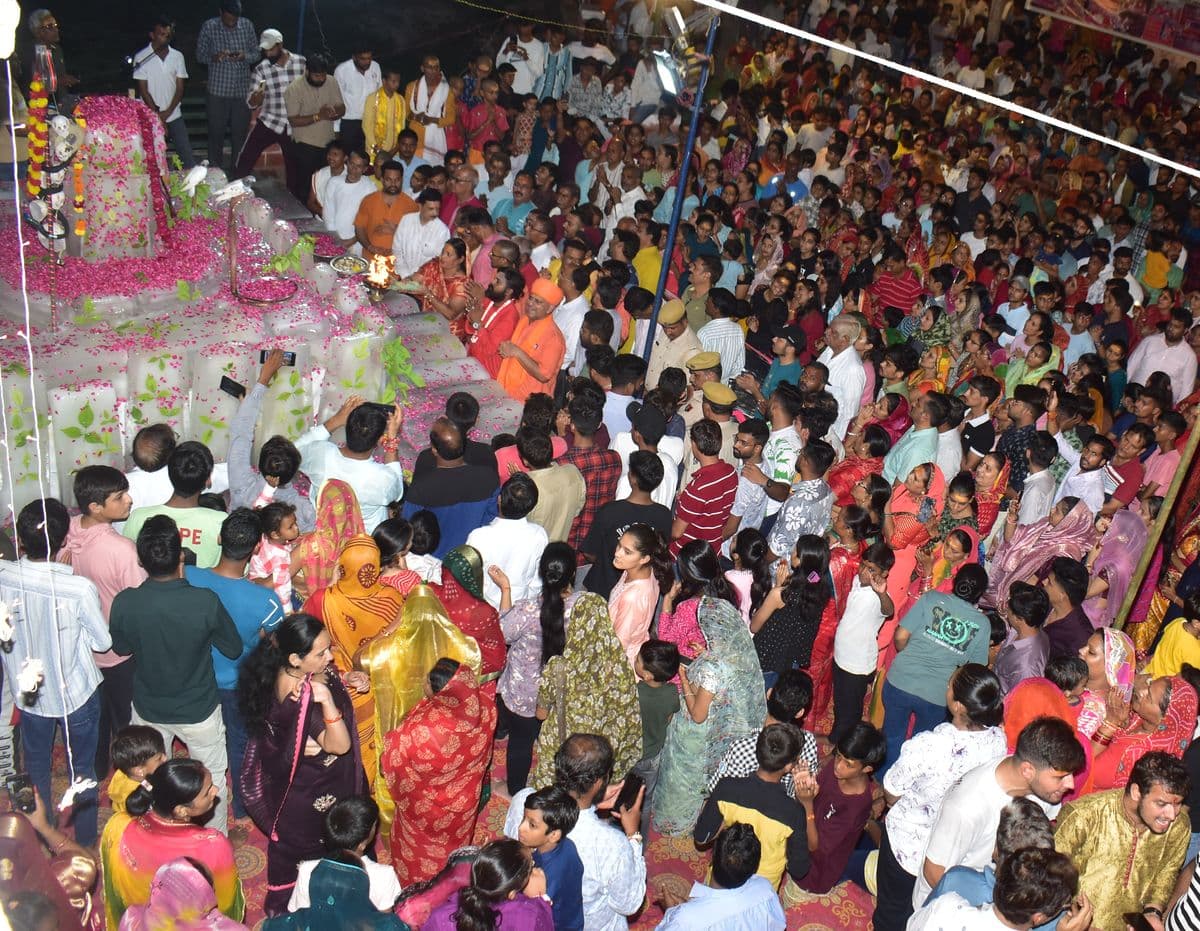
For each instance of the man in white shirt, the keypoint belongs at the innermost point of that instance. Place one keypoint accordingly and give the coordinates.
(335, 167)
(526, 54)
(358, 78)
(1167, 352)
(1037, 496)
(511, 542)
(1085, 479)
(343, 198)
(737, 900)
(420, 236)
(847, 377)
(647, 433)
(568, 315)
(622, 200)
(722, 334)
(614, 869)
(646, 88)
(160, 75)
(1043, 768)
(375, 484)
(949, 441)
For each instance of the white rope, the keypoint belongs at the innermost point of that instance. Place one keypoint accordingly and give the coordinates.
(928, 78)
(36, 436)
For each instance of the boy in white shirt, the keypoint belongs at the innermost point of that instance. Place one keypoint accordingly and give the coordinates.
(855, 647)
(350, 827)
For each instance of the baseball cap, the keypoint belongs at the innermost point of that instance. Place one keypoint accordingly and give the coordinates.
(791, 334)
(648, 420)
(269, 39)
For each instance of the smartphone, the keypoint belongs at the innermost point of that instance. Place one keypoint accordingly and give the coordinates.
(232, 388)
(289, 358)
(20, 790)
(628, 794)
(386, 409)
(1137, 921)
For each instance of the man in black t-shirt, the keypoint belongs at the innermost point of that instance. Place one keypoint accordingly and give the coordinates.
(978, 431)
(463, 410)
(614, 518)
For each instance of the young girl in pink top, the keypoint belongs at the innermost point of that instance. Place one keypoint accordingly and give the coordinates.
(645, 568)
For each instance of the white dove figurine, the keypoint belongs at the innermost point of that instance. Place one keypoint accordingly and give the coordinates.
(30, 676)
(194, 177)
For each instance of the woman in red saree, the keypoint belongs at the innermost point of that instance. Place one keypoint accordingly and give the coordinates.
(354, 609)
(865, 451)
(434, 764)
(915, 506)
(850, 529)
(991, 482)
(461, 594)
(445, 281)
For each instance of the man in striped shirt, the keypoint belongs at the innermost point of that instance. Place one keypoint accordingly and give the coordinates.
(704, 505)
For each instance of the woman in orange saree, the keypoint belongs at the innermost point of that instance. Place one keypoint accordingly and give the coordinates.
(991, 482)
(315, 556)
(354, 609)
(1184, 552)
(445, 281)
(434, 764)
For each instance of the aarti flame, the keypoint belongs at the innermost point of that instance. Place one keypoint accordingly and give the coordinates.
(381, 270)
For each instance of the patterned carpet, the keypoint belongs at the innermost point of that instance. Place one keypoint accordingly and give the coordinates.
(671, 863)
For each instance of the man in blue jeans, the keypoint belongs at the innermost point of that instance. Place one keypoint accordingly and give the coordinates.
(255, 610)
(939, 633)
(58, 620)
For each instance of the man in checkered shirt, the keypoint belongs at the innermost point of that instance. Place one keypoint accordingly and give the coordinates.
(788, 702)
(228, 45)
(268, 81)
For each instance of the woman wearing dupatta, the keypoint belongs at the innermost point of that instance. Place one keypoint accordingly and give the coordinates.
(303, 754)
(723, 701)
(1110, 658)
(991, 483)
(932, 375)
(340, 897)
(1184, 551)
(354, 609)
(1160, 715)
(445, 282)
(398, 661)
(1066, 531)
(589, 688)
(315, 556)
(915, 502)
(461, 592)
(181, 897)
(434, 764)
(1112, 567)
(1032, 367)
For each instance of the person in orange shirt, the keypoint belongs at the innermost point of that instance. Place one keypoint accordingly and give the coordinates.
(380, 213)
(530, 361)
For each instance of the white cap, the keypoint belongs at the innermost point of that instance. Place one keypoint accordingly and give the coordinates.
(269, 38)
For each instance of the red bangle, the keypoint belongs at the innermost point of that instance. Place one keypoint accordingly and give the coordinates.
(333, 720)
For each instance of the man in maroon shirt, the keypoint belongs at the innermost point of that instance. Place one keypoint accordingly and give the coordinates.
(1124, 473)
(704, 505)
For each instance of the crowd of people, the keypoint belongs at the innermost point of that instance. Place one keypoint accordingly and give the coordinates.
(834, 570)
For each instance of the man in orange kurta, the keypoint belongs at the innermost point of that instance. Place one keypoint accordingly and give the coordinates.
(380, 213)
(531, 359)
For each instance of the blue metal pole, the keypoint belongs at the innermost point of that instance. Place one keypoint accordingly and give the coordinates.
(680, 187)
(300, 28)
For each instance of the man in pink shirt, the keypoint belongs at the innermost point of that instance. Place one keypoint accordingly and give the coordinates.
(110, 562)
(461, 193)
(1162, 464)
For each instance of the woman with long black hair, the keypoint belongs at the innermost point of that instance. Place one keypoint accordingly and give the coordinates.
(535, 631)
(785, 625)
(700, 576)
(506, 891)
(303, 754)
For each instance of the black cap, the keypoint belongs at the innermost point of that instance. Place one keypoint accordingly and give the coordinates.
(648, 420)
(231, 6)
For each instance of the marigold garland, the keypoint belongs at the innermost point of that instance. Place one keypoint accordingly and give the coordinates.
(38, 137)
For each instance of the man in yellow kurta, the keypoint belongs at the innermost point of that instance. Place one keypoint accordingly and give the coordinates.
(430, 107)
(385, 114)
(1129, 844)
(529, 362)
(1180, 644)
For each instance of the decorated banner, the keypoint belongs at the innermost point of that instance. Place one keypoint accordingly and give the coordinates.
(1171, 24)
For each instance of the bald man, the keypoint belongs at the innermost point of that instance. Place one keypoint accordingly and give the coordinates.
(462, 495)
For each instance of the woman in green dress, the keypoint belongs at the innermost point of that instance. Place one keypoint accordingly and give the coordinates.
(723, 701)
